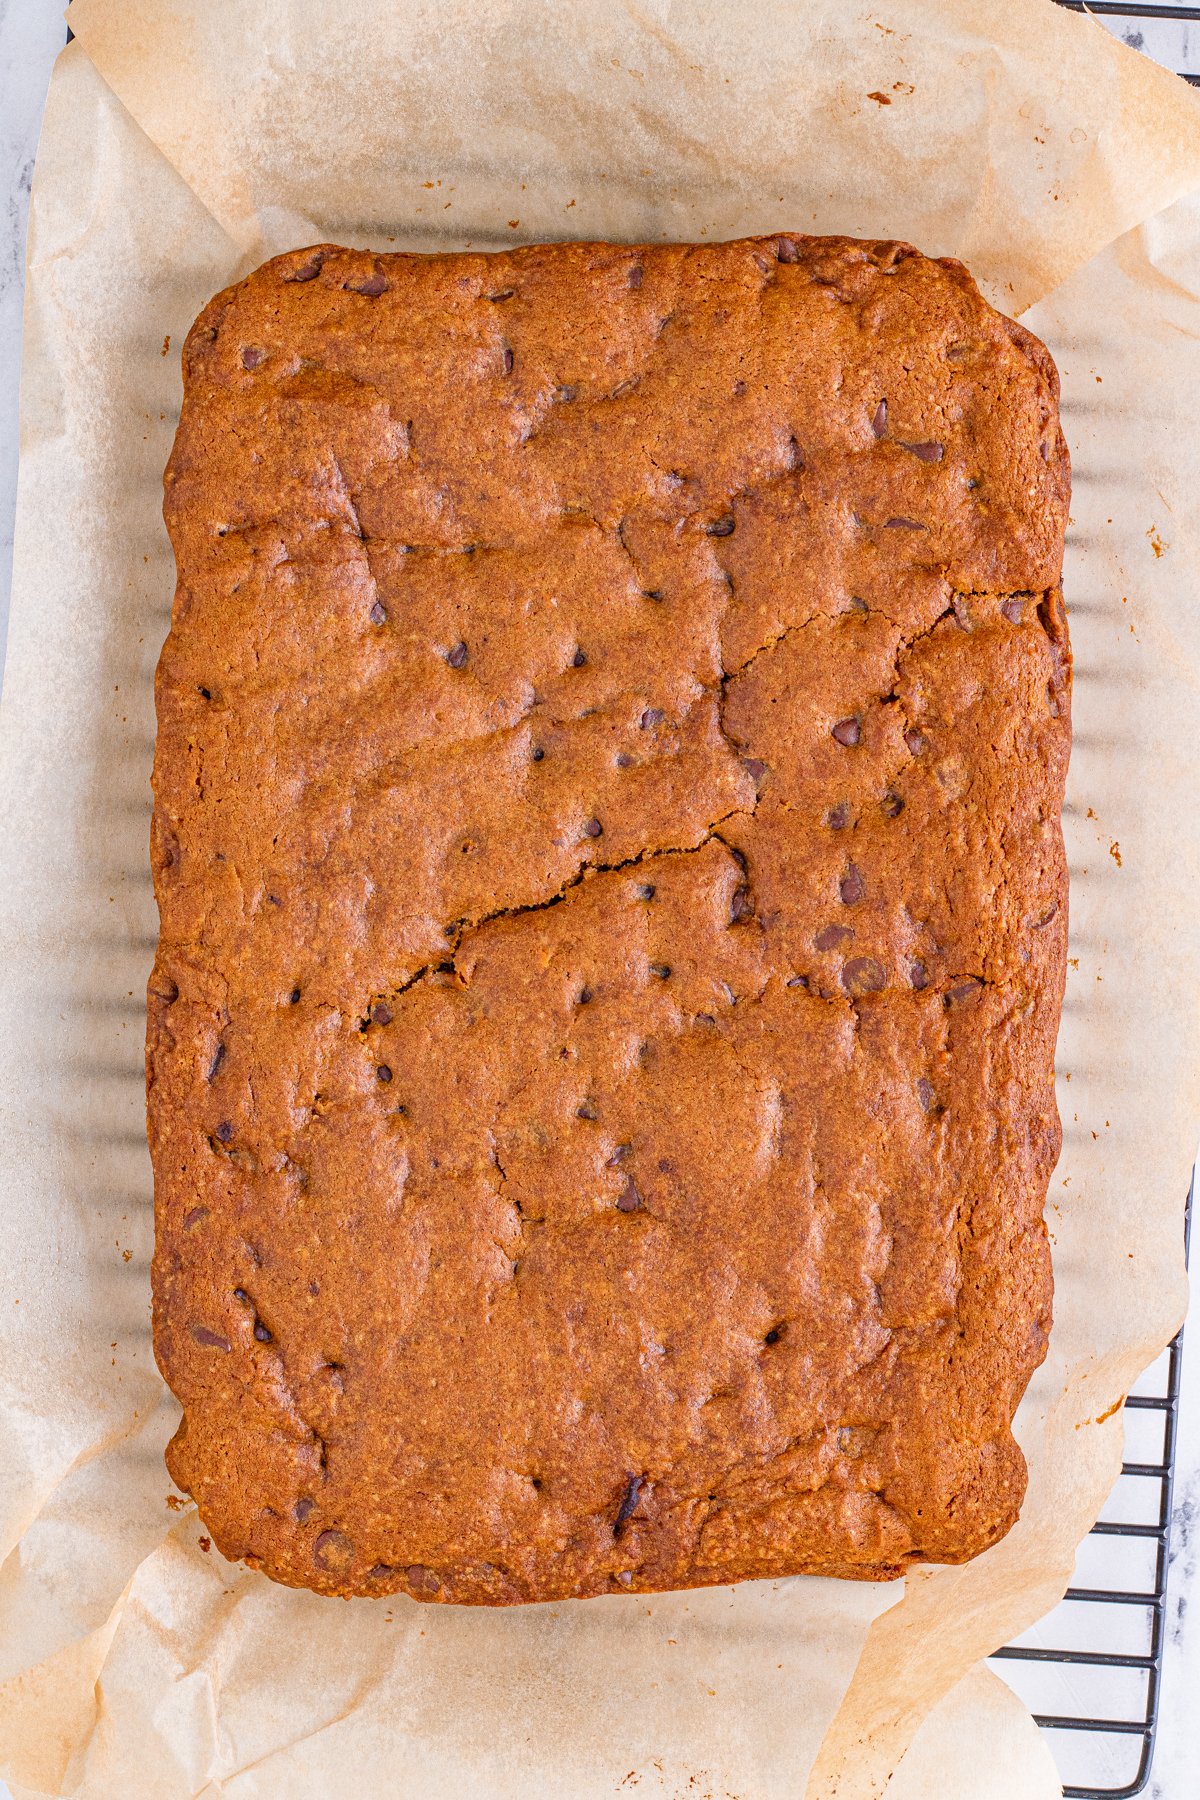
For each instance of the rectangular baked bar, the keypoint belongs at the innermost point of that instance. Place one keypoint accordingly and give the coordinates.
(607, 838)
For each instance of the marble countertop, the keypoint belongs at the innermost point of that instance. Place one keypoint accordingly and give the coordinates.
(31, 35)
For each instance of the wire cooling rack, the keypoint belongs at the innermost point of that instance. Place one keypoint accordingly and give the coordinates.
(1100, 1733)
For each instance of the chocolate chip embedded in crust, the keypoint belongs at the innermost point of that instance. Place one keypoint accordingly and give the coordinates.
(212, 1340)
(629, 1500)
(1041, 923)
(786, 251)
(847, 732)
(964, 989)
(863, 975)
(378, 612)
(741, 906)
(579, 659)
(852, 886)
(902, 524)
(879, 422)
(196, 1215)
(916, 742)
(629, 1199)
(371, 285)
(216, 1062)
(458, 656)
(261, 1332)
(307, 270)
(224, 1132)
(333, 1552)
(645, 890)
(773, 1336)
(586, 1111)
(507, 360)
(294, 997)
(926, 1095)
(918, 974)
(755, 770)
(537, 753)
(383, 1073)
(251, 357)
(723, 526)
(838, 817)
(636, 275)
(662, 970)
(929, 453)
(830, 936)
(381, 1013)
(593, 829)
(1013, 611)
(653, 715)
(380, 1572)
(303, 1508)
(418, 1576)
(891, 806)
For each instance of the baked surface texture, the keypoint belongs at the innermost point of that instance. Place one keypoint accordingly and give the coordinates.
(611, 746)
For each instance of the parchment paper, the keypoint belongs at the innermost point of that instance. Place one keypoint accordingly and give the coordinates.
(183, 142)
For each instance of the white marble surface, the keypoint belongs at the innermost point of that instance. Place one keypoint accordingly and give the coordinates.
(31, 34)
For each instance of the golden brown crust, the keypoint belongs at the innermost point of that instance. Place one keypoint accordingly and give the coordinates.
(611, 745)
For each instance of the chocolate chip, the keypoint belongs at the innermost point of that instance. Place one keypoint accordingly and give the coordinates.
(242, 1295)
(261, 1332)
(212, 1340)
(585, 997)
(851, 887)
(586, 1111)
(918, 974)
(1040, 924)
(1013, 611)
(891, 806)
(797, 981)
(504, 294)
(204, 692)
(308, 270)
(1045, 449)
(418, 1576)
(624, 760)
(786, 251)
(723, 526)
(863, 975)
(251, 357)
(964, 989)
(653, 715)
(838, 817)
(645, 891)
(847, 732)
(378, 612)
(217, 1060)
(567, 393)
(879, 422)
(629, 1500)
(303, 1509)
(899, 524)
(224, 1132)
(294, 997)
(333, 1552)
(830, 936)
(593, 829)
(917, 742)
(662, 970)
(537, 754)
(755, 770)
(636, 275)
(926, 1095)
(371, 286)
(629, 1199)
(507, 360)
(458, 656)
(929, 453)
(381, 1013)
(741, 907)
(578, 660)
(382, 1072)
(196, 1215)
(380, 1572)
(620, 1152)
(773, 1336)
